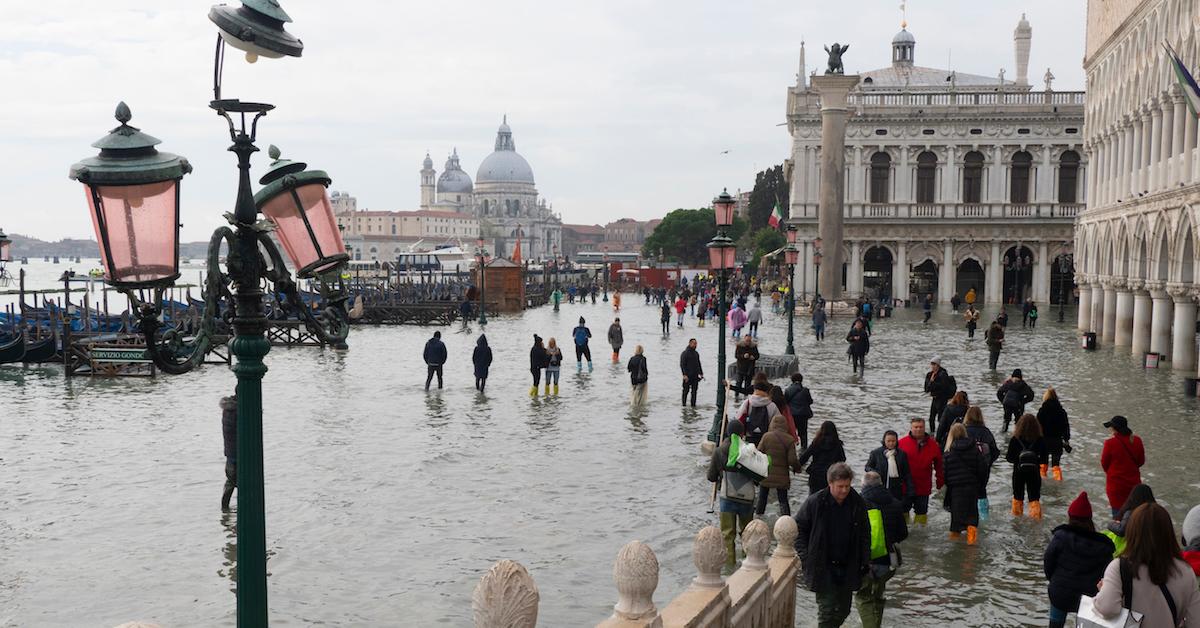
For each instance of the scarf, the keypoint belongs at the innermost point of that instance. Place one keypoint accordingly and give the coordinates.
(893, 472)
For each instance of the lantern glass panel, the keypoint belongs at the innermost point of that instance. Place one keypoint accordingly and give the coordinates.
(714, 257)
(306, 250)
(792, 256)
(791, 236)
(5, 251)
(724, 213)
(137, 227)
(730, 255)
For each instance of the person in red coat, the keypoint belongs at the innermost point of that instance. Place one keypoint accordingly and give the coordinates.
(925, 461)
(1121, 459)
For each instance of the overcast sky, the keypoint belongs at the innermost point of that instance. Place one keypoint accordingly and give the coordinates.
(623, 108)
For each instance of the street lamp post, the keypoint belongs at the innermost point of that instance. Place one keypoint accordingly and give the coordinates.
(5, 257)
(133, 197)
(606, 276)
(1064, 266)
(721, 255)
(817, 263)
(482, 280)
(792, 255)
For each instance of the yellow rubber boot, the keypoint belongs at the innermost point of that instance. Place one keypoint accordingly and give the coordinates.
(907, 518)
(533, 391)
(1042, 470)
(556, 389)
(1035, 510)
(547, 388)
(972, 535)
(1018, 508)
(1057, 474)
(921, 519)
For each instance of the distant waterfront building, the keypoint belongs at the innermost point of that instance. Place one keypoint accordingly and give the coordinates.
(576, 238)
(380, 235)
(1136, 243)
(953, 180)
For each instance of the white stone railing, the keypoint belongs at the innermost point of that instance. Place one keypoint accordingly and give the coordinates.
(957, 98)
(760, 594)
(904, 210)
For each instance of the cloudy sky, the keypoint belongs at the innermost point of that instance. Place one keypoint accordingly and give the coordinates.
(622, 107)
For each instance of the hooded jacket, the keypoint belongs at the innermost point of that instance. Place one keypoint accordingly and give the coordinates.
(925, 460)
(1014, 393)
(754, 430)
(877, 462)
(1055, 427)
(755, 315)
(482, 357)
(435, 352)
(1074, 562)
(964, 468)
(780, 445)
(737, 318)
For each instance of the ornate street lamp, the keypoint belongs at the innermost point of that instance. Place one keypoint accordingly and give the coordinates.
(791, 255)
(482, 280)
(5, 248)
(133, 197)
(1065, 262)
(722, 254)
(816, 258)
(606, 276)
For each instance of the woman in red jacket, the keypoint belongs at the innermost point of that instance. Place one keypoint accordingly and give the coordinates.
(1121, 459)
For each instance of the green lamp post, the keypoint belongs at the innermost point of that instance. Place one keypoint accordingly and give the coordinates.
(482, 280)
(722, 254)
(133, 197)
(791, 255)
(606, 275)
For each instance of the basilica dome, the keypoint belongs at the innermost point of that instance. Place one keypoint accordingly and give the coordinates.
(504, 165)
(453, 179)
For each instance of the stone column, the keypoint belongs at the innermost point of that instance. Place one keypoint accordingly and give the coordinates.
(946, 280)
(805, 271)
(1120, 159)
(903, 179)
(1085, 304)
(1097, 316)
(1123, 336)
(832, 89)
(994, 280)
(950, 179)
(1177, 126)
(1041, 284)
(1160, 318)
(1189, 145)
(1140, 342)
(1183, 345)
(854, 274)
(1045, 178)
(1156, 120)
(1131, 141)
(1164, 155)
(1147, 144)
(996, 192)
(1109, 322)
(1135, 183)
(900, 272)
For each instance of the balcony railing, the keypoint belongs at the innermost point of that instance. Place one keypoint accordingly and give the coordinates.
(928, 99)
(1064, 212)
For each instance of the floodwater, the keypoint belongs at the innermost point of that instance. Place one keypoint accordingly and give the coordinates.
(385, 504)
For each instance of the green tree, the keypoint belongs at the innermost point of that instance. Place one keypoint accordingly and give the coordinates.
(683, 236)
(770, 187)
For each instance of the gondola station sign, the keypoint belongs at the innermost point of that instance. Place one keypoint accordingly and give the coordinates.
(123, 355)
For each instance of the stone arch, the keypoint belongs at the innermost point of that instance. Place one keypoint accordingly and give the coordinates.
(1183, 263)
(1159, 251)
(880, 176)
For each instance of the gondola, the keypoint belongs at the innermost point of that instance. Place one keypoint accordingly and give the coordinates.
(43, 350)
(13, 350)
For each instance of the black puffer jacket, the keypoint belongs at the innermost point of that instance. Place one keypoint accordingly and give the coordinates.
(1014, 393)
(1055, 427)
(812, 542)
(951, 415)
(822, 455)
(877, 462)
(1074, 562)
(981, 434)
(892, 509)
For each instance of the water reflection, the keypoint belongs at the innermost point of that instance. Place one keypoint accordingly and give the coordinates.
(228, 567)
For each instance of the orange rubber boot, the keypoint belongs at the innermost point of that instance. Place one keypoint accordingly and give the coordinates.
(1035, 510)
(1057, 474)
(955, 535)
(1018, 508)
(972, 535)
(1042, 470)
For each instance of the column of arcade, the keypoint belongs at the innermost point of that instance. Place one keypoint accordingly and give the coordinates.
(1146, 316)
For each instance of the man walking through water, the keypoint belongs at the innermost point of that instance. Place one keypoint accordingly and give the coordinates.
(834, 545)
(581, 334)
(693, 371)
(941, 387)
(435, 359)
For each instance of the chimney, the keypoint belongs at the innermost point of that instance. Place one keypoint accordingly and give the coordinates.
(1022, 36)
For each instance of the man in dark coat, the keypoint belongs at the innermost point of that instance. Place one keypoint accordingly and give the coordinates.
(1014, 393)
(692, 369)
(746, 354)
(229, 435)
(799, 401)
(834, 544)
(482, 360)
(940, 388)
(885, 556)
(435, 358)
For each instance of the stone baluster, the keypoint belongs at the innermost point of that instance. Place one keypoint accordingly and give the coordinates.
(636, 575)
(784, 565)
(1183, 346)
(506, 597)
(750, 586)
(1140, 342)
(706, 602)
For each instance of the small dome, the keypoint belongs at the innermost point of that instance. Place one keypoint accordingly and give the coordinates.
(428, 163)
(904, 37)
(453, 179)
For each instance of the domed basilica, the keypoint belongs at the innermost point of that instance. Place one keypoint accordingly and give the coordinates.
(503, 197)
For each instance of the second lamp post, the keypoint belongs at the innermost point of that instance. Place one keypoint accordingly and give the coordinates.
(721, 255)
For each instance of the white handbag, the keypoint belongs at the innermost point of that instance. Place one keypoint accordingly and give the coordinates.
(753, 461)
(1087, 617)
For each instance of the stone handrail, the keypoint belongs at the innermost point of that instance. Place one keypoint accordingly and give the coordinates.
(853, 211)
(760, 594)
(954, 98)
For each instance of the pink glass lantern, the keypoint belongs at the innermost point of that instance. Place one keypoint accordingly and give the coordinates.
(5, 248)
(723, 207)
(792, 255)
(791, 234)
(133, 194)
(297, 202)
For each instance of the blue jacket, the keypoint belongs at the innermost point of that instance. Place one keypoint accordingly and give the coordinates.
(581, 334)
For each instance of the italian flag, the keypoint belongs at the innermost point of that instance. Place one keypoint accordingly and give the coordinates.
(1191, 92)
(776, 218)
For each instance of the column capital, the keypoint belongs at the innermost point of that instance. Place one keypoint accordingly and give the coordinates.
(1134, 285)
(1156, 289)
(1120, 284)
(1181, 292)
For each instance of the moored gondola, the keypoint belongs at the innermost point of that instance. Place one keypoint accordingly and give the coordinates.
(13, 350)
(44, 350)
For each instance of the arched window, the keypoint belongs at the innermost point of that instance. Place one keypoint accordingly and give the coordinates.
(1068, 177)
(485, 206)
(881, 166)
(972, 177)
(926, 177)
(1019, 189)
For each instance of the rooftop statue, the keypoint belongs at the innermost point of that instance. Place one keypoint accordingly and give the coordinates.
(835, 58)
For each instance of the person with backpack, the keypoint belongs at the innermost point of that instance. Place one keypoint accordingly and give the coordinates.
(1074, 561)
(940, 387)
(1056, 429)
(481, 359)
(736, 489)
(1013, 394)
(616, 338)
(553, 364)
(956, 410)
(891, 463)
(826, 450)
(886, 516)
(965, 473)
(994, 337)
(860, 344)
(985, 442)
(1033, 315)
(756, 411)
(1122, 459)
(639, 374)
(780, 447)
(925, 461)
(799, 400)
(1027, 452)
(1151, 577)
(581, 334)
(538, 360)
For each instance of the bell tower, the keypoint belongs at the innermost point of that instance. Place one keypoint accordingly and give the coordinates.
(428, 197)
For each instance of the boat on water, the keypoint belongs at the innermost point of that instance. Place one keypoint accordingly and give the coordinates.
(44, 350)
(13, 350)
(24, 261)
(55, 259)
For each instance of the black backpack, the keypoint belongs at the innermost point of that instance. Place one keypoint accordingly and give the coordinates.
(757, 422)
(1027, 460)
(951, 384)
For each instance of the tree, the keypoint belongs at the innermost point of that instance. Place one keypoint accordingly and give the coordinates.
(683, 236)
(770, 187)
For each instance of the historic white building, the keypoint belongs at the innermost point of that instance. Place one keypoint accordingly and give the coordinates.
(953, 181)
(1136, 241)
(503, 197)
